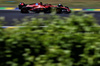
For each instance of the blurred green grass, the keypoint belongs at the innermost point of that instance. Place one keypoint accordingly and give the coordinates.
(70, 3)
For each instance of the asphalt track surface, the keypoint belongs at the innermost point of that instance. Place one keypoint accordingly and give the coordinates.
(11, 16)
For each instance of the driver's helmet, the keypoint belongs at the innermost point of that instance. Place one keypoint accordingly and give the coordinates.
(21, 3)
(36, 4)
(60, 5)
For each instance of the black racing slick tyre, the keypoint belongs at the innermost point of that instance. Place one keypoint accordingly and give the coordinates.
(24, 10)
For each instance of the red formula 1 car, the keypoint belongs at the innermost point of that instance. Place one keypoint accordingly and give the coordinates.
(39, 7)
(61, 9)
(35, 7)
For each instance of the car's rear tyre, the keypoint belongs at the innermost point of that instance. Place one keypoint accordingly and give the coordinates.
(24, 10)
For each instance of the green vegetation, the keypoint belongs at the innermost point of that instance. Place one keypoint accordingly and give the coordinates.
(70, 3)
(72, 41)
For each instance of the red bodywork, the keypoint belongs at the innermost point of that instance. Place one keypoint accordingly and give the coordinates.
(66, 8)
(39, 7)
(34, 6)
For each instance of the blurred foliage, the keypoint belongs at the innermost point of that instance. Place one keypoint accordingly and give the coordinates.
(72, 41)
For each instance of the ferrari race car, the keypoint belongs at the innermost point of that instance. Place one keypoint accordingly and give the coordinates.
(39, 7)
(61, 9)
(35, 7)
